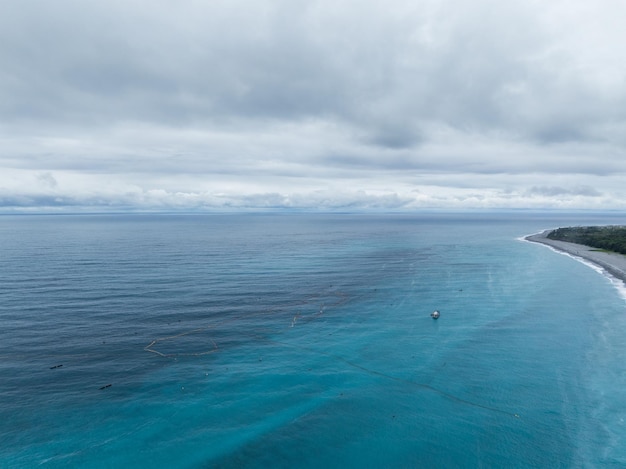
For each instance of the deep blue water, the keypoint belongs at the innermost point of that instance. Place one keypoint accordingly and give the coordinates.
(299, 340)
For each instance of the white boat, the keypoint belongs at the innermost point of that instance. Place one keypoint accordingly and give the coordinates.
(435, 314)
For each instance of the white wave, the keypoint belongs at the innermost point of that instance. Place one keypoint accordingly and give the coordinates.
(619, 285)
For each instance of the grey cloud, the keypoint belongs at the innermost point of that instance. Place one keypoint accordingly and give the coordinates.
(253, 96)
(174, 63)
(154, 200)
(384, 72)
(552, 191)
(47, 180)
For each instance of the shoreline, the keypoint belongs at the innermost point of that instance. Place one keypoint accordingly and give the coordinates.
(612, 262)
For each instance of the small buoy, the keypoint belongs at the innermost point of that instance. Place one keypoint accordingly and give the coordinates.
(435, 314)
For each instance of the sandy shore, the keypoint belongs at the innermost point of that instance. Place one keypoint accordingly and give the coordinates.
(613, 263)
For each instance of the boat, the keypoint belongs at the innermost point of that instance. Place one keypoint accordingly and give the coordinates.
(435, 314)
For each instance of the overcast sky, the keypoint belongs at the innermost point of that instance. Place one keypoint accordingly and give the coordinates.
(332, 104)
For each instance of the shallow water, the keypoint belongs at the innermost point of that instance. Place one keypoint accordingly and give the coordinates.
(305, 340)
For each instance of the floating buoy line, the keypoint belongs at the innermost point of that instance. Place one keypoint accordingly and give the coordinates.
(153, 347)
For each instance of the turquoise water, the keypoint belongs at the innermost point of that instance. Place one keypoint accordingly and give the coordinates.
(305, 341)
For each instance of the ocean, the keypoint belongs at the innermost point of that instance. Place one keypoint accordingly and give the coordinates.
(290, 340)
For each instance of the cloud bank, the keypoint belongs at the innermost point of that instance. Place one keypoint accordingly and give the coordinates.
(312, 105)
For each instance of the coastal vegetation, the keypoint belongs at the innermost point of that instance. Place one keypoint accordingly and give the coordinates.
(611, 238)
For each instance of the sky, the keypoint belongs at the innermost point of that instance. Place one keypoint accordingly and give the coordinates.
(312, 105)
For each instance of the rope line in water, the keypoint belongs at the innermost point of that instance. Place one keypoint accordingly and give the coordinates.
(394, 378)
(151, 347)
(301, 318)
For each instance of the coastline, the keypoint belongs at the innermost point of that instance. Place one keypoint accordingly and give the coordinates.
(613, 263)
